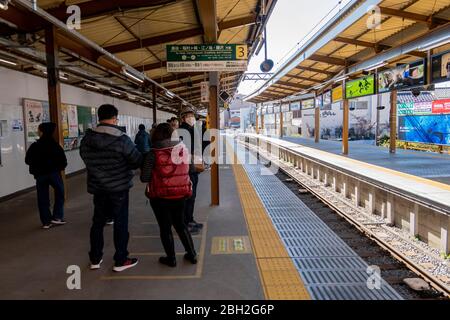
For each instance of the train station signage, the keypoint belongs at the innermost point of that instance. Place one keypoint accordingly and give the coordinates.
(360, 87)
(401, 77)
(207, 58)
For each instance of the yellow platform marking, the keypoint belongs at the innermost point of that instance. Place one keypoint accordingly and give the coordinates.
(197, 275)
(279, 277)
(231, 245)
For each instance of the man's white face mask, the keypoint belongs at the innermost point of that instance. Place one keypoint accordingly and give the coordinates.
(191, 121)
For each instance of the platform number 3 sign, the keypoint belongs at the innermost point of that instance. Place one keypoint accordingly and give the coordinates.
(241, 52)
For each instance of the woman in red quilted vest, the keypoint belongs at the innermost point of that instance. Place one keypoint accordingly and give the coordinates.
(166, 170)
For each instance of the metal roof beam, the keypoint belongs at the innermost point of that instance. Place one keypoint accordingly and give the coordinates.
(329, 60)
(293, 85)
(430, 20)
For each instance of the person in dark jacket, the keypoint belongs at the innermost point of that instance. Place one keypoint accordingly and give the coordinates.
(142, 140)
(166, 170)
(47, 159)
(110, 157)
(195, 147)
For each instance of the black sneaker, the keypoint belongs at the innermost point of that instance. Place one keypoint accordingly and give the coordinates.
(192, 258)
(130, 263)
(171, 262)
(193, 230)
(198, 225)
(58, 222)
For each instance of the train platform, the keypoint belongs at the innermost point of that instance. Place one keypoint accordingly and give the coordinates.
(426, 165)
(262, 243)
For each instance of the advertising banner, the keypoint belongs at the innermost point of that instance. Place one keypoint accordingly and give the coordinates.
(360, 87)
(440, 66)
(425, 129)
(326, 102)
(308, 104)
(404, 76)
(441, 106)
(337, 94)
(415, 108)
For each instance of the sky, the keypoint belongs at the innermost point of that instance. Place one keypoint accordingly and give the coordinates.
(290, 23)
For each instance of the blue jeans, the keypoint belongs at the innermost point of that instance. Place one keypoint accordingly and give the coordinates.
(110, 205)
(43, 182)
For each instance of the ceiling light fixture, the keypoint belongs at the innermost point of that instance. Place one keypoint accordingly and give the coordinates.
(376, 66)
(132, 76)
(92, 86)
(8, 62)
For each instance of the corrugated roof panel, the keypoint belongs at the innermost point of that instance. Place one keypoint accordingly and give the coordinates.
(428, 7)
(388, 28)
(105, 30)
(227, 10)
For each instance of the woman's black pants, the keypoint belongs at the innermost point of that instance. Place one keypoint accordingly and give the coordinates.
(171, 213)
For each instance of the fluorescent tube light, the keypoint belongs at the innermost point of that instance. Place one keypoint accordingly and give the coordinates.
(93, 86)
(339, 79)
(376, 66)
(132, 76)
(8, 62)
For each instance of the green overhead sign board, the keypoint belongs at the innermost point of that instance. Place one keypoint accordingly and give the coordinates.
(360, 87)
(207, 58)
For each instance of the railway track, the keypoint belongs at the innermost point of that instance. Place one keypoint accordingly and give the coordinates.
(369, 236)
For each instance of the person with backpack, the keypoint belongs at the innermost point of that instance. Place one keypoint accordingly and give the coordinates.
(166, 170)
(142, 140)
(110, 157)
(47, 159)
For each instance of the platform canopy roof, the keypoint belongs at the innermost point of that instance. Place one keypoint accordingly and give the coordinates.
(347, 46)
(133, 34)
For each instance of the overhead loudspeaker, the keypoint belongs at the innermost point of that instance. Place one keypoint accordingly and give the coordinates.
(267, 65)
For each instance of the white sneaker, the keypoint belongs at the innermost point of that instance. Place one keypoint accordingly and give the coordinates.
(96, 266)
(58, 222)
(46, 226)
(110, 222)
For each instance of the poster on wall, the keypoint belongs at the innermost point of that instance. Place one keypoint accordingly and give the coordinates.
(425, 129)
(72, 120)
(360, 87)
(17, 125)
(35, 113)
(440, 67)
(401, 77)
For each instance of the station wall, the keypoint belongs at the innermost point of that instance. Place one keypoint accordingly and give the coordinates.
(14, 87)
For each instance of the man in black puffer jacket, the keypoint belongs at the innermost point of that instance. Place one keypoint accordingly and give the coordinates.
(110, 157)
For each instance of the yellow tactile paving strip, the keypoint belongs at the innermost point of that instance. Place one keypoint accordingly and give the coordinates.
(279, 277)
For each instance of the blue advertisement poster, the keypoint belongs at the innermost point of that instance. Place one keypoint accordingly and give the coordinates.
(433, 129)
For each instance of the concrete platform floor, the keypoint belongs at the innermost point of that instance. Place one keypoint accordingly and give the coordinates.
(34, 261)
(431, 166)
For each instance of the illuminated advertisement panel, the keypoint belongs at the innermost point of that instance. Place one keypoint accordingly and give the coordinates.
(440, 67)
(401, 77)
(360, 87)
